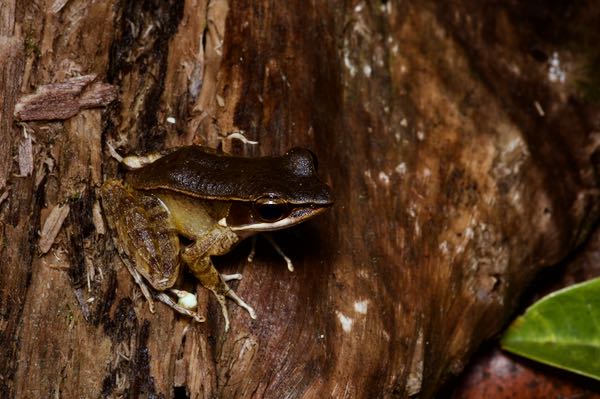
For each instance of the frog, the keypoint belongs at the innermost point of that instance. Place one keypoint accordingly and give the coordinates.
(178, 208)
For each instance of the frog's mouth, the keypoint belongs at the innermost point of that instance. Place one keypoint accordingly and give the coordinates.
(294, 217)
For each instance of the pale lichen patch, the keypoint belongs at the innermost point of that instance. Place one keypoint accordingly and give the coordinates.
(348, 64)
(386, 7)
(345, 321)
(469, 233)
(444, 247)
(361, 306)
(556, 72)
(363, 273)
(384, 178)
(401, 168)
(367, 70)
(369, 179)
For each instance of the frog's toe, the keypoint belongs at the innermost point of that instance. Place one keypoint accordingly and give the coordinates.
(241, 303)
(278, 249)
(252, 249)
(151, 306)
(229, 277)
(138, 279)
(221, 300)
(239, 134)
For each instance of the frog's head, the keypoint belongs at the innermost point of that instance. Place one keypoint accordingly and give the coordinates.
(291, 194)
(265, 194)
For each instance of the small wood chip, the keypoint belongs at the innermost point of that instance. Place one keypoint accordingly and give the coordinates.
(97, 218)
(52, 226)
(58, 5)
(4, 196)
(25, 155)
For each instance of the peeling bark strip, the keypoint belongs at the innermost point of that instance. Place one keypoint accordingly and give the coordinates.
(59, 101)
(11, 69)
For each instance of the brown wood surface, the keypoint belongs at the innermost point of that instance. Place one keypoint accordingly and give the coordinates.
(461, 165)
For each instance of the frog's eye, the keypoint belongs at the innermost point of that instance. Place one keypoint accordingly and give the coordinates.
(270, 209)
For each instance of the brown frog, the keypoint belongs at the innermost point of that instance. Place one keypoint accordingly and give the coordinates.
(192, 203)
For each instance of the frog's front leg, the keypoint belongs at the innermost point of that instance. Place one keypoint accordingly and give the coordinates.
(204, 270)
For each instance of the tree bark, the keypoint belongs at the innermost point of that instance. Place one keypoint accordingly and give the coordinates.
(460, 141)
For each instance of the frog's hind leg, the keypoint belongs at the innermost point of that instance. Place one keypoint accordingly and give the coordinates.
(146, 240)
(115, 202)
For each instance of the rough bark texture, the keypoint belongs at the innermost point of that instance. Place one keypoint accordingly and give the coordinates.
(460, 148)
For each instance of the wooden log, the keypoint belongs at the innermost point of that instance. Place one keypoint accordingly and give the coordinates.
(460, 166)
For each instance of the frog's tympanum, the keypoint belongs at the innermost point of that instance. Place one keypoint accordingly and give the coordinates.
(192, 203)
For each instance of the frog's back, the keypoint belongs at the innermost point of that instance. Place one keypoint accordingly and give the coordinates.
(207, 174)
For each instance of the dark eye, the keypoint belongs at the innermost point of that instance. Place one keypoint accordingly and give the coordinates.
(270, 209)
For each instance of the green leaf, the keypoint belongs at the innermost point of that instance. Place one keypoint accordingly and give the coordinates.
(562, 330)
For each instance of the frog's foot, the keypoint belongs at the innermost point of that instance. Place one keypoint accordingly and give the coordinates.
(276, 247)
(138, 279)
(210, 278)
(231, 294)
(252, 249)
(135, 161)
(167, 300)
(239, 135)
(226, 141)
(223, 303)
(229, 277)
(113, 153)
(145, 292)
